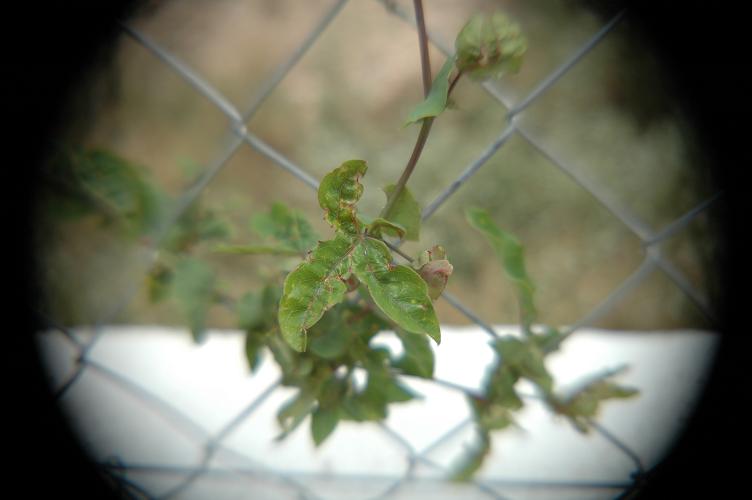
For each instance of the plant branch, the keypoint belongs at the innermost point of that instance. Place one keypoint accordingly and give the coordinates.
(425, 62)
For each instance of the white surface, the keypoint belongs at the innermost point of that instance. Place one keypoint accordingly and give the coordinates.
(210, 384)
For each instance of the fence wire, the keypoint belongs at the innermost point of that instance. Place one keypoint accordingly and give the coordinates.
(239, 135)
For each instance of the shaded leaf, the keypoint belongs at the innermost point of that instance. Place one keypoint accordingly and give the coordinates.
(405, 211)
(193, 289)
(511, 255)
(295, 410)
(380, 226)
(417, 358)
(313, 287)
(159, 283)
(253, 345)
(490, 46)
(255, 250)
(398, 290)
(323, 423)
(288, 227)
(473, 458)
(436, 100)
(524, 359)
(338, 193)
(585, 403)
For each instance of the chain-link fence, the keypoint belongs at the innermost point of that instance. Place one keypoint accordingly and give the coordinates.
(212, 443)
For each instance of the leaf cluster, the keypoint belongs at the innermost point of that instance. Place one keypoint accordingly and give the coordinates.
(523, 358)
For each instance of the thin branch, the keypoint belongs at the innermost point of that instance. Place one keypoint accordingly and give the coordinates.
(425, 62)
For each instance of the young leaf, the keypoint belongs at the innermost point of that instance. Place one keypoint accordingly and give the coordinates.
(511, 255)
(405, 211)
(338, 193)
(489, 47)
(436, 100)
(314, 286)
(398, 290)
(288, 227)
(193, 288)
(418, 358)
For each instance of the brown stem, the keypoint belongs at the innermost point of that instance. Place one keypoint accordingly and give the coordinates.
(425, 62)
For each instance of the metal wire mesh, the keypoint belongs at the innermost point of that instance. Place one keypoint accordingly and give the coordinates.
(212, 443)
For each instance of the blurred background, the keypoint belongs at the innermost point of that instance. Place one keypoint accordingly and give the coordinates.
(612, 116)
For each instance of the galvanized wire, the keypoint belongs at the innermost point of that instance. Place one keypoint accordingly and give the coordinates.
(240, 135)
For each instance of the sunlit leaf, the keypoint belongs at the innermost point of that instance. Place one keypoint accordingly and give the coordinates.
(313, 287)
(338, 194)
(436, 100)
(398, 290)
(511, 255)
(193, 288)
(405, 211)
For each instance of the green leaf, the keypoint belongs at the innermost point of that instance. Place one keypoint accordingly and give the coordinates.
(490, 46)
(288, 227)
(330, 337)
(338, 194)
(380, 225)
(255, 250)
(511, 254)
(585, 403)
(253, 345)
(398, 290)
(525, 359)
(323, 423)
(473, 458)
(436, 100)
(292, 413)
(195, 225)
(158, 282)
(193, 288)
(405, 211)
(314, 286)
(418, 357)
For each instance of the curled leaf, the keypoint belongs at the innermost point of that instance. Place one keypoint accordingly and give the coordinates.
(380, 225)
(338, 194)
(490, 46)
(313, 287)
(435, 270)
